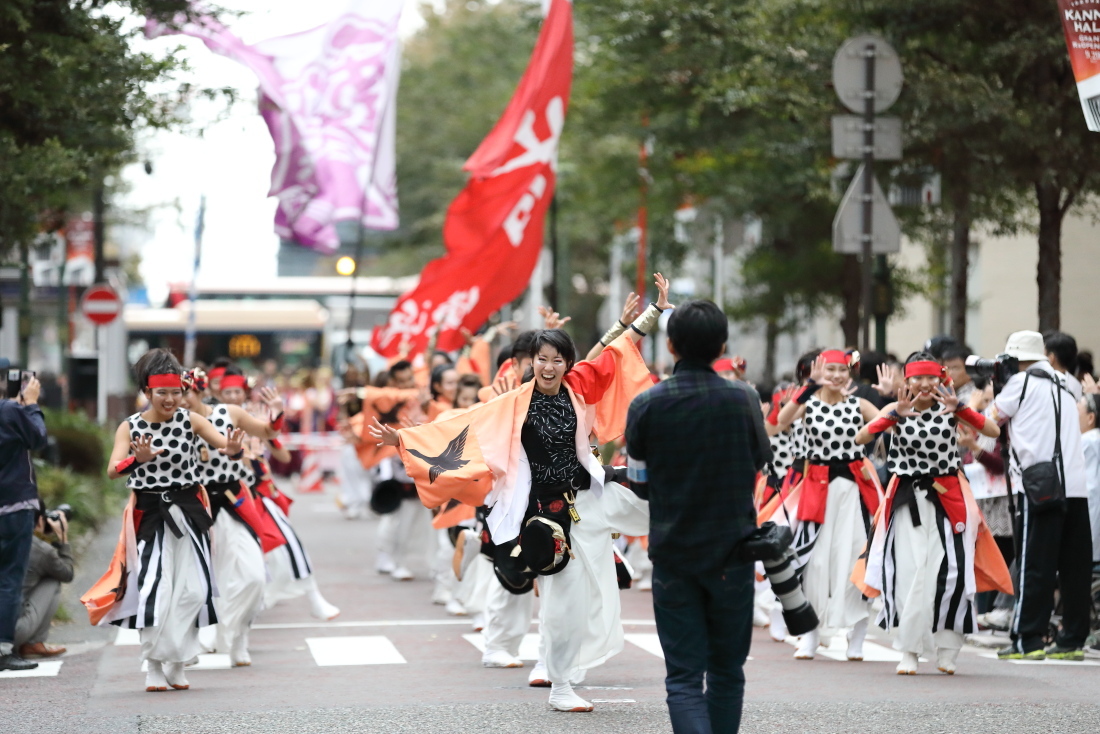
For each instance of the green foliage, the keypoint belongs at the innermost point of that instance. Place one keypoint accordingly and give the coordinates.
(72, 93)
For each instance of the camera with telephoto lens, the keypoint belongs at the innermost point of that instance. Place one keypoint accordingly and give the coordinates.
(55, 515)
(999, 369)
(771, 545)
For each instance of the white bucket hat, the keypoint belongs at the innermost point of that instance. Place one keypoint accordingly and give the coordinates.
(1026, 346)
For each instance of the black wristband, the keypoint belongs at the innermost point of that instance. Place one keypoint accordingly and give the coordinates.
(806, 392)
(237, 456)
(637, 330)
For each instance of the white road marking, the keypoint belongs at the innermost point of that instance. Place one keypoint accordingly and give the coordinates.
(650, 642)
(528, 647)
(872, 652)
(379, 623)
(45, 669)
(128, 637)
(369, 650)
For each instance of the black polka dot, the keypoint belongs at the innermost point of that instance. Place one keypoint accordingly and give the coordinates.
(177, 432)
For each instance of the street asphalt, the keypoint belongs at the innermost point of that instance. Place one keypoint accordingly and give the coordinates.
(441, 687)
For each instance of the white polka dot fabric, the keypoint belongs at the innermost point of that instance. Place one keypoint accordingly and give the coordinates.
(176, 466)
(831, 430)
(219, 468)
(925, 444)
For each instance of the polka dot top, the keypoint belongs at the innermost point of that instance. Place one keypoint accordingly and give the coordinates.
(924, 444)
(798, 440)
(214, 466)
(830, 430)
(782, 456)
(176, 467)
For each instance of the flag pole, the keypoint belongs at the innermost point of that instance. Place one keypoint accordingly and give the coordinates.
(192, 296)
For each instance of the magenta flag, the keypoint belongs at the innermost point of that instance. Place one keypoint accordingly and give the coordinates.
(328, 96)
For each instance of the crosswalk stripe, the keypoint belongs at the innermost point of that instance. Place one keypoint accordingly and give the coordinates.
(528, 646)
(368, 650)
(872, 652)
(45, 669)
(648, 642)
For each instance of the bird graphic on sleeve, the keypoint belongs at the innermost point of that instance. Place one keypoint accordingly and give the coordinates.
(450, 459)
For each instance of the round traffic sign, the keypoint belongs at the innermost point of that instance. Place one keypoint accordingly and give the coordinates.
(850, 73)
(101, 304)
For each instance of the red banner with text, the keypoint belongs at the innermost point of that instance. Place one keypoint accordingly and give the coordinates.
(493, 231)
(1081, 23)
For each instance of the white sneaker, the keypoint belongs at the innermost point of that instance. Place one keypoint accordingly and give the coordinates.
(945, 660)
(441, 595)
(238, 656)
(173, 673)
(998, 619)
(908, 664)
(456, 609)
(478, 622)
(321, 609)
(401, 574)
(500, 659)
(540, 676)
(562, 698)
(384, 563)
(855, 640)
(778, 626)
(154, 677)
(760, 617)
(807, 646)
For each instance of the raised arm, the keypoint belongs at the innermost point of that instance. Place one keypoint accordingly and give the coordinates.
(229, 445)
(630, 312)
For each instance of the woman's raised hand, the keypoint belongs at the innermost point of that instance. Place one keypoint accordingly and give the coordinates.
(888, 380)
(817, 369)
(234, 441)
(630, 309)
(662, 291)
(552, 319)
(384, 435)
(272, 399)
(905, 402)
(946, 396)
(143, 450)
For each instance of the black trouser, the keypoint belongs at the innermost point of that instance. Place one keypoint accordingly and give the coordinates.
(1056, 550)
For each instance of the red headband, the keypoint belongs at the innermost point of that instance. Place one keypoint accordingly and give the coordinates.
(924, 369)
(835, 356)
(169, 380)
(216, 373)
(233, 381)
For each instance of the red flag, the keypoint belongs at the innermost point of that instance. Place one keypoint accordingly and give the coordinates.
(493, 231)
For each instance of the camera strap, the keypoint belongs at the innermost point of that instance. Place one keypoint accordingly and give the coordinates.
(1054, 396)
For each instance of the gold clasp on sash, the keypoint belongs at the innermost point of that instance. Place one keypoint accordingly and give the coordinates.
(571, 497)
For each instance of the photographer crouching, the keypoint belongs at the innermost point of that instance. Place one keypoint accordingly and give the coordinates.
(50, 565)
(1047, 470)
(22, 430)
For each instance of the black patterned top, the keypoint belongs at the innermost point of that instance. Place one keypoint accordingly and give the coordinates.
(925, 444)
(830, 430)
(214, 466)
(551, 422)
(176, 467)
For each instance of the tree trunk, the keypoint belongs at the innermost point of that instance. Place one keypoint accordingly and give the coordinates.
(1049, 276)
(960, 262)
(851, 292)
(771, 335)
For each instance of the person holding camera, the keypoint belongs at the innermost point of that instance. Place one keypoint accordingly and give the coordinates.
(1047, 470)
(22, 431)
(51, 564)
(694, 448)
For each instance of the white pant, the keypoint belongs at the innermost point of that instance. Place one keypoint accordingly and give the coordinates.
(240, 575)
(580, 618)
(918, 555)
(355, 484)
(507, 618)
(827, 575)
(473, 590)
(404, 534)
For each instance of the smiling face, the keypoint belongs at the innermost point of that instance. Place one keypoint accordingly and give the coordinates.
(549, 367)
(466, 396)
(448, 385)
(837, 375)
(164, 401)
(923, 386)
(233, 395)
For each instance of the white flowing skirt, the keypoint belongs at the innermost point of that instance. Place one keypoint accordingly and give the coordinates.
(826, 576)
(239, 569)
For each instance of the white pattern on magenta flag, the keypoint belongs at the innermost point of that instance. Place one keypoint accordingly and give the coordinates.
(328, 96)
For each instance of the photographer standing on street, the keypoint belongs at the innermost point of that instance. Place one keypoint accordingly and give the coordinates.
(22, 430)
(50, 566)
(1052, 515)
(694, 448)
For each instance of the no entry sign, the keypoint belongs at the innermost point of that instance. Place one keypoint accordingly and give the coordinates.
(100, 304)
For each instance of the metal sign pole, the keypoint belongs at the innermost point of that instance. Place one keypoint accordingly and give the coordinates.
(868, 190)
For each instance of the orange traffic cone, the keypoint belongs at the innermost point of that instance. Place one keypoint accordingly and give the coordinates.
(311, 478)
